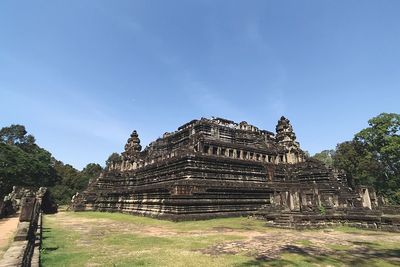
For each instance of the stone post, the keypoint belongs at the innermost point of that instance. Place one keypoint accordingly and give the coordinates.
(27, 208)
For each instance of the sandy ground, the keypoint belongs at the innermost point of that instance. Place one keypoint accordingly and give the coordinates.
(8, 226)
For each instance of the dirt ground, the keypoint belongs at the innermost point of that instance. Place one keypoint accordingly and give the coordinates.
(8, 226)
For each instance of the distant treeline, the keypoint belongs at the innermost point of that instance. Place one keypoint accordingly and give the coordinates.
(24, 163)
(372, 157)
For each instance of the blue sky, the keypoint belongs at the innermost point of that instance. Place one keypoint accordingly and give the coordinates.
(81, 75)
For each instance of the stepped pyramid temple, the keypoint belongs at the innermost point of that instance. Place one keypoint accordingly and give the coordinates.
(218, 168)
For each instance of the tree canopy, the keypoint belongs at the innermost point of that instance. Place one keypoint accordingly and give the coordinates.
(113, 158)
(373, 156)
(379, 145)
(326, 156)
(16, 135)
(24, 163)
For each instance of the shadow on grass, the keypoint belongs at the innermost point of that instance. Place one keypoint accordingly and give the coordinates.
(364, 254)
(47, 234)
(45, 230)
(49, 249)
(271, 262)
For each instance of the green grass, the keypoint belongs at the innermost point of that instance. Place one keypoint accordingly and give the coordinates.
(345, 258)
(339, 247)
(60, 247)
(292, 259)
(63, 247)
(304, 242)
(140, 242)
(107, 243)
(237, 223)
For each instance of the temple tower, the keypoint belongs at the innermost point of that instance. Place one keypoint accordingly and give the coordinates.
(287, 139)
(131, 153)
(133, 143)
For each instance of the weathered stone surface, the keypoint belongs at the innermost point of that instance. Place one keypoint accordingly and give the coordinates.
(25, 249)
(48, 205)
(6, 208)
(22, 231)
(27, 208)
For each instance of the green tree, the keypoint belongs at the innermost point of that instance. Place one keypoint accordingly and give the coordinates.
(22, 162)
(90, 172)
(382, 140)
(326, 156)
(72, 180)
(113, 158)
(17, 135)
(65, 189)
(373, 157)
(360, 167)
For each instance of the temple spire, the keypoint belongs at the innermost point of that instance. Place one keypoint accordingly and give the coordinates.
(286, 137)
(133, 143)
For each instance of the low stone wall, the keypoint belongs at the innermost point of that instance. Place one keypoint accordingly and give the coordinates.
(25, 249)
(393, 209)
(372, 220)
(384, 224)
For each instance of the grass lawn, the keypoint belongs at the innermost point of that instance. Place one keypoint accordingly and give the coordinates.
(113, 239)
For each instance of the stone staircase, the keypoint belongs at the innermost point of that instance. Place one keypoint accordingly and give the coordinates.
(285, 220)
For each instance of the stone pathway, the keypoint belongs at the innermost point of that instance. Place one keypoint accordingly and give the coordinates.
(8, 226)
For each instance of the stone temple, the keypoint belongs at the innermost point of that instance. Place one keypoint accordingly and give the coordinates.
(219, 168)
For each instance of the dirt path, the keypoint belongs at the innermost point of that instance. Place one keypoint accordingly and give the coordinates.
(8, 226)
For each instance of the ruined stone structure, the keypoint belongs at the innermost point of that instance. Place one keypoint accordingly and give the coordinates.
(216, 167)
(24, 250)
(12, 202)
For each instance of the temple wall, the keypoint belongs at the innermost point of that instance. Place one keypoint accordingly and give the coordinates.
(199, 185)
(216, 167)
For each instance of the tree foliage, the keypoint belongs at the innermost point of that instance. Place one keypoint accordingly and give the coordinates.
(373, 156)
(358, 163)
(326, 156)
(16, 135)
(113, 158)
(24, 163)
(72, 180)
(382, 140)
